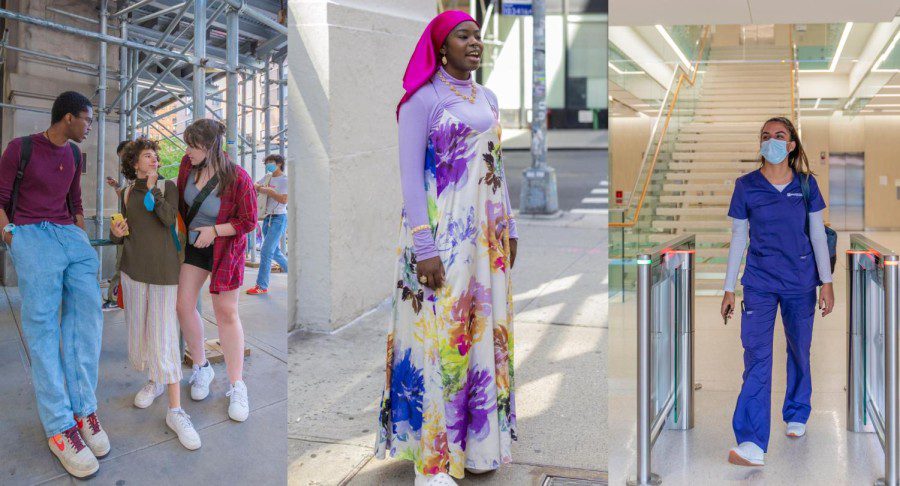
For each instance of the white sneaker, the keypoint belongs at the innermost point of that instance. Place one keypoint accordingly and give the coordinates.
(200, 380)
(76, 458)
(440, 479)
(238, 407)
(747, 454)
(180, 422)
(796, 429)
(147, 394)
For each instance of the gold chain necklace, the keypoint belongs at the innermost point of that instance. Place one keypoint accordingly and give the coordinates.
(457, 93)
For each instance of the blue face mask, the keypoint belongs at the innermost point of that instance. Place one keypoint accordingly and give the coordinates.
(774, 150)
(270, 168)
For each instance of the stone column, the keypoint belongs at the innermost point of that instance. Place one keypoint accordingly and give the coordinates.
(346, 64)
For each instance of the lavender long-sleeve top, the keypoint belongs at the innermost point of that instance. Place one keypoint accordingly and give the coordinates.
(418, 117)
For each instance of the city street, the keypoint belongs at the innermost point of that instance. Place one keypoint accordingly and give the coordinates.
(581, 177)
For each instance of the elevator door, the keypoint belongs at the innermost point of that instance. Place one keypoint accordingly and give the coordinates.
(846, 192)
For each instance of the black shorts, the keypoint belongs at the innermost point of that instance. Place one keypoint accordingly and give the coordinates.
(199, 257)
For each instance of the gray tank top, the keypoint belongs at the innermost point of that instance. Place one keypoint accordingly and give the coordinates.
(209, 210)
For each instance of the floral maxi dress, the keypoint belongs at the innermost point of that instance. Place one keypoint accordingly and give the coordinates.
(448, 401)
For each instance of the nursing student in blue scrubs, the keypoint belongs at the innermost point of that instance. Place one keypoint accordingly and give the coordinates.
(787, 261)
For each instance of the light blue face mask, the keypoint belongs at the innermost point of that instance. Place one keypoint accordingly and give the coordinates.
(270, 168)
(774, 150)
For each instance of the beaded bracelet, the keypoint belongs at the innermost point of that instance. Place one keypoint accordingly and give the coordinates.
(421, 228)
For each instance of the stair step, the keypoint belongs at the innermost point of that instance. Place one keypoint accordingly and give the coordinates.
(725, 127)
(716, 156)
(690, 225)
(699, 212)
(729, 102)
(717, 176)
(696, 188)
(746, 88)
(729, 139)
(739, 110)
(715, 166)
(735, 118)
(732, 146)
(696, 200)
(744, 68)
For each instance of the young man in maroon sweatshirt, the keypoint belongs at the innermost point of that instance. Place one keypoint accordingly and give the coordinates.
(43, 228)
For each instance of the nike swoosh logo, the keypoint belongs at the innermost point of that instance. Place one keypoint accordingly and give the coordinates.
(57, 440)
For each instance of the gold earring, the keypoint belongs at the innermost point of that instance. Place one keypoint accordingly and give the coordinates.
(444, 60)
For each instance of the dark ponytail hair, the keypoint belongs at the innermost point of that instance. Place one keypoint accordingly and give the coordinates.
(797, 160)
(209, 134)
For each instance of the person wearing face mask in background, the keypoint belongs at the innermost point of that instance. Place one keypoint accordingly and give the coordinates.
(787, 259)
(273, 187)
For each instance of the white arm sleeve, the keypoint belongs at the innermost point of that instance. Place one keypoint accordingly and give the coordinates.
(820, 245)
(740, 236)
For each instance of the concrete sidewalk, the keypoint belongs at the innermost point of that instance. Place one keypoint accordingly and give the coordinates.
(144, 450)
(560, 295)
(570, 139)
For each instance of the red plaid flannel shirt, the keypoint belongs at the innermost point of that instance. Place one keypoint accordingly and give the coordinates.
(239, 209)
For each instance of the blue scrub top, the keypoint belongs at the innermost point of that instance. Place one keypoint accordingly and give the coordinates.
(780, 258)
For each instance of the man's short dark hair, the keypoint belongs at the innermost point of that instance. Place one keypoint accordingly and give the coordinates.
(69, 102)
(122, 145)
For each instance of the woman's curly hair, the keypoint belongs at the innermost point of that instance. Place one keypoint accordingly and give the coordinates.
(132, 151)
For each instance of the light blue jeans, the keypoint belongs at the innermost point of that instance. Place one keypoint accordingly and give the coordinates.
(57, 270)
(273, 228)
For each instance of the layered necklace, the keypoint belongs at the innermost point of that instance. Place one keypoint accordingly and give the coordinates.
(470, 99)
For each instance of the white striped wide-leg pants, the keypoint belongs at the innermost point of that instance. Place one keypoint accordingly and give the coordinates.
(152, 329)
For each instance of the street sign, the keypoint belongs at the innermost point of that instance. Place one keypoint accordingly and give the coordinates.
(516, 7)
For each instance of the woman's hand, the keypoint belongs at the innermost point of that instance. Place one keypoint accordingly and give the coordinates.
(433, 270)
(513, 248)
(728, 305)
(206, 237)
(152, 177)
(826, 299)
(112, 183)
(119, 228)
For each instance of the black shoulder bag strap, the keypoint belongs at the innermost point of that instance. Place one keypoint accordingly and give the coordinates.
(195, 208)
(24, 158)
(77, 155)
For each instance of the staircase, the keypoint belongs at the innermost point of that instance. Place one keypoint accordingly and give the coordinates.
(717, 145)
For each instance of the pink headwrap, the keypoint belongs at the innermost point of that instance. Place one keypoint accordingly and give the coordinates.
(424, 61)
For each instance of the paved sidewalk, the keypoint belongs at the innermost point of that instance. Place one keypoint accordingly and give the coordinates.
(559, 139)
(560, 294)
(144, 450)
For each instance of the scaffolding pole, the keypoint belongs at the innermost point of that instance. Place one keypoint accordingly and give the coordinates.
(200, 55)
(27, 19)
(244, 120)
(151, 57)
(101, 130)
(267, 102)
(282, 82)
(253, 148)
(231, 83)
(123, 79)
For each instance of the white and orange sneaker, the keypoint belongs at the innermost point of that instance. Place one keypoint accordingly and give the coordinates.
(94, 435)
(76, 458)
(747, 454)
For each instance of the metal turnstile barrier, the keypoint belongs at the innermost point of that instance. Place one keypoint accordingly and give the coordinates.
(872, 364)
(665, 388)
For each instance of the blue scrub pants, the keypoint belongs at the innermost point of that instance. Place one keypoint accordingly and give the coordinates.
(753, 410)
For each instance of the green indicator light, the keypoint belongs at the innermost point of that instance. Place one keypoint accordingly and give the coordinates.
(644, 262)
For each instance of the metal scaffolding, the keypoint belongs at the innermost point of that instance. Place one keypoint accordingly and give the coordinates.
(168, 51)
